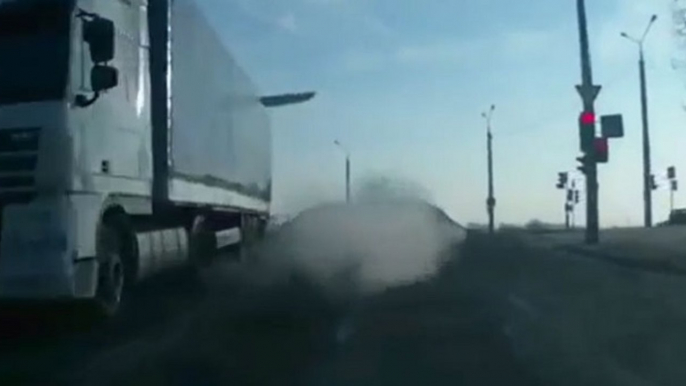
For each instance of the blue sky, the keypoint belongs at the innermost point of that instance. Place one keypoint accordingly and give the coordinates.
(403, 83)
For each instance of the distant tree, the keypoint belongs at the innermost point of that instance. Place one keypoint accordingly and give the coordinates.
(679, 20)
(679, 29)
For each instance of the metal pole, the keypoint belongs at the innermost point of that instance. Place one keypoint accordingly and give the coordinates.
(491, 198)
(647, 185)
(588, 92)
(647, 188)
(347, 179)
(347, 170)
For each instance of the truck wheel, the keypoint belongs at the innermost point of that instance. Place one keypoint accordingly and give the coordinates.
(247, 251)
(111, 273)
(202, 243)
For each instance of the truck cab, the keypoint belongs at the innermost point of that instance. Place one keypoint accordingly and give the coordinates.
(74, 138)
(131, 143)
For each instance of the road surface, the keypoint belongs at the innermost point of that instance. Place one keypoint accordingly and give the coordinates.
(661, 249)
(501, 311)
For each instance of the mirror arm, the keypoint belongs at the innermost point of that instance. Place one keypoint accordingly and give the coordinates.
(85, 14)
(83, 101)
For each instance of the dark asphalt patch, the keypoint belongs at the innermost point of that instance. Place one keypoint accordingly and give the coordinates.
(649, 265)
(438, 332)
(443, 331)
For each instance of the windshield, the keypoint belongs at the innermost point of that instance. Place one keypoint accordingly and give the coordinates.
(344, 192)
(34, 50)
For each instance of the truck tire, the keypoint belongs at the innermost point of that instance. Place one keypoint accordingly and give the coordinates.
(202, 244)
(253, 234)
(112, 272)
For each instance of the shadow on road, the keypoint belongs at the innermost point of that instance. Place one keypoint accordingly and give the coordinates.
(292, 332)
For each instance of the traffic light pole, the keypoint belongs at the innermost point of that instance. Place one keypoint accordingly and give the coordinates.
(588, 92)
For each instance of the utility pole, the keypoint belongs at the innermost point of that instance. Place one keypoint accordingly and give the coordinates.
(589, 92)
(347, 170)
(490, 201)
(647, 188)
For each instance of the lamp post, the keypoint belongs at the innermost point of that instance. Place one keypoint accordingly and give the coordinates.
(490, 201)
(347, 169)
(647, 188)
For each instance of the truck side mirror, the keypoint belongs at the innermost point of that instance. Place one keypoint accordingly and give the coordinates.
(104, 78)
(99, 34)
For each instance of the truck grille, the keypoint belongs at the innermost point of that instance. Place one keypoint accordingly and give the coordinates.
(18, 159)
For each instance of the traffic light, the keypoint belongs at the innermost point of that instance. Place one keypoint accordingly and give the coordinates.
(601, 150)
(587, 130)
(570, 195)
(675, 185)
(583, 161)
(653, 184)
(671, 172)
(562, 179)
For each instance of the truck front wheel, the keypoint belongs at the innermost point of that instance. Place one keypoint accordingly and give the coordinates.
(111, 273)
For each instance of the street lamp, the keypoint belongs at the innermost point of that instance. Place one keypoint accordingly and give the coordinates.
(286, 99)
(347, 169)
(647, 188)
(490, 201)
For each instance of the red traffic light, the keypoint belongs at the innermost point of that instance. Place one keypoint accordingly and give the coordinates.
(587, 131)
(602, 150)
(587, 118)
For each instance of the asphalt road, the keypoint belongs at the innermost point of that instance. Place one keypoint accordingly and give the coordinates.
(499, 312)
(661, 248)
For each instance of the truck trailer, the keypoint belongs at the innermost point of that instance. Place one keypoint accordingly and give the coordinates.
(131, 143)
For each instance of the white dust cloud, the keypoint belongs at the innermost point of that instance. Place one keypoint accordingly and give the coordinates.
(390, 236)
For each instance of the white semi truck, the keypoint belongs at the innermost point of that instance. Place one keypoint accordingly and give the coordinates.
(130, 143)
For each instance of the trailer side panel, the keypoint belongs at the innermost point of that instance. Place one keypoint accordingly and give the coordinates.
(219, 140)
